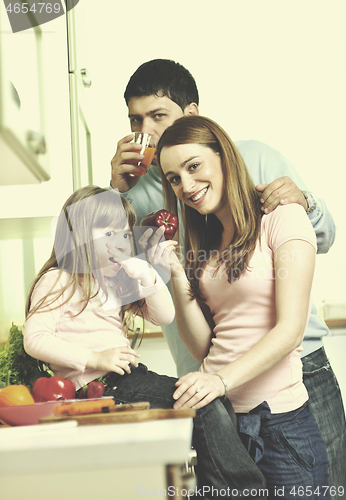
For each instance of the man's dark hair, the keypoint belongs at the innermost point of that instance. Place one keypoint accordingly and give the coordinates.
(163, 77)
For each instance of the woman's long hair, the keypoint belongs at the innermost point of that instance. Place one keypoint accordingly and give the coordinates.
(73, 251)
(205, 232)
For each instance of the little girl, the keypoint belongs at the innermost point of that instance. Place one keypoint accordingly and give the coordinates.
(84, 299)
(78, 313)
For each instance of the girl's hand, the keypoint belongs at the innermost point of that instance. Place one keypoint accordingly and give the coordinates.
(113, 360)
(197, 389)
(134, 267)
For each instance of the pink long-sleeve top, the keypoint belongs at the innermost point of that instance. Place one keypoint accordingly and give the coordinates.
(245, 311)
(57, 336)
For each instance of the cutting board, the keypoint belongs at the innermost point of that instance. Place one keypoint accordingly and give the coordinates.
(122, 416)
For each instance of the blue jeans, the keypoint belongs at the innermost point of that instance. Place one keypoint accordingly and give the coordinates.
(223, 462)
(289, 450)
(327, 407)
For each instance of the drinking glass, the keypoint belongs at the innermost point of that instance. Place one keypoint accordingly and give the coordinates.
(147, 150)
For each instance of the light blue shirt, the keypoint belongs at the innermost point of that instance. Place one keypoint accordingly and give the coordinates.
(264, 164)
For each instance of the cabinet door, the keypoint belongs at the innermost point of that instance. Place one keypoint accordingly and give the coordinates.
(23, 149)
(47, 198)
(80, 135)
(80, 81)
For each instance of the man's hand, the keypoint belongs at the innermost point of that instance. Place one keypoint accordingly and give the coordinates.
(123, 164)
(282, 191)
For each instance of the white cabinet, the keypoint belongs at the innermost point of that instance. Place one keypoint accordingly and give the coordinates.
(46, 198)
(23, 145)
(45, 70)
(45, 76)
(114, 461)
(26, 210)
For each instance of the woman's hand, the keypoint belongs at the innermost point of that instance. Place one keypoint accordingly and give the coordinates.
(159, 252)
(115, 360)
(197, 389)
(175, 262)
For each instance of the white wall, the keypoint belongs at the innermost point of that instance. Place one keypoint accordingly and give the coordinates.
(270, 70)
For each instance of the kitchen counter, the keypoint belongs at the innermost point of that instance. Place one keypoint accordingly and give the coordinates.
(87, 462)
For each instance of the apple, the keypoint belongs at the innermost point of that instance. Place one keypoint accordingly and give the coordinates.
(162, 218)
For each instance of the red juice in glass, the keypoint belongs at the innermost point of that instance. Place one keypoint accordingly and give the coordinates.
(144, 165)
(147, 150)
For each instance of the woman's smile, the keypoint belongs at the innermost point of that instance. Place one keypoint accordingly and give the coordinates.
(195, 174)
(199, 197)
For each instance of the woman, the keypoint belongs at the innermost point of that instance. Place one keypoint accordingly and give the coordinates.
(242, 302)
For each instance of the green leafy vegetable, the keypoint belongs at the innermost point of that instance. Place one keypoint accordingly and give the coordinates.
(16, 366)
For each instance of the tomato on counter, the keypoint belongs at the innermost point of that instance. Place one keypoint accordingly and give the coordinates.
(53, 389)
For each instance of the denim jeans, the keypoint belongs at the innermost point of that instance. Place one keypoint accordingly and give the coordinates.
(327, 407)
(289, 450)
(223, 462)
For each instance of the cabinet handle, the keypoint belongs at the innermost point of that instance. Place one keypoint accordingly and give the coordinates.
(36, 142)
(86, 78)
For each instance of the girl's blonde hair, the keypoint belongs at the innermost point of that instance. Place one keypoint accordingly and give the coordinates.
(205, 232)
(73, 251)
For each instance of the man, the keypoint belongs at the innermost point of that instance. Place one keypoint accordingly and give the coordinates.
(158, 93)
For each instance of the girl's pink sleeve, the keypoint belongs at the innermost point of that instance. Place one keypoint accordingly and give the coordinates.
(158, 307)
(41, 339)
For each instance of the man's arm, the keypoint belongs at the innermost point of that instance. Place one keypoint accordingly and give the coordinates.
(279, 183)
(284, 191)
